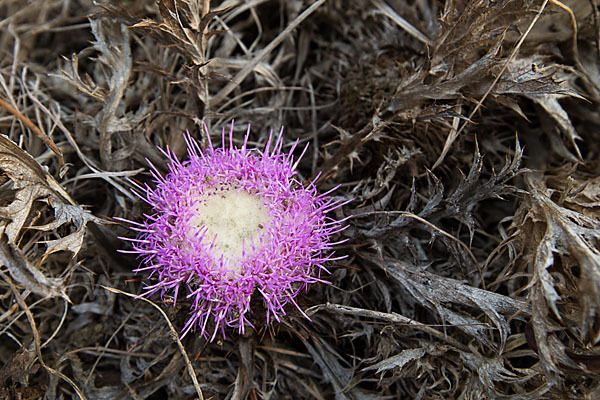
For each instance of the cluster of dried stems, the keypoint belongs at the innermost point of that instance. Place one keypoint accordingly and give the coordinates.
(464, 132)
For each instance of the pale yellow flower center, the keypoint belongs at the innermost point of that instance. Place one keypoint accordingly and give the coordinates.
(234, 219)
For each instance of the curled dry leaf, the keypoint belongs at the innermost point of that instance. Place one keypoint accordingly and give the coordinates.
(561, 241)
(30, 183)
(108, 87)
(29, 276)
(397, 361)
(64, 214)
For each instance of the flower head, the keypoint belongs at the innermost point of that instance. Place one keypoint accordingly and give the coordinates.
(230, 223)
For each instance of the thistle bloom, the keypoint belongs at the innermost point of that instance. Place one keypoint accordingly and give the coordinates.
(230, 223)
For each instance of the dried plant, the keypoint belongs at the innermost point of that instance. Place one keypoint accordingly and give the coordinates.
(459, 136)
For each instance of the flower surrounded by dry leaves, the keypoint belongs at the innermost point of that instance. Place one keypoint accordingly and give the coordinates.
(231, 223)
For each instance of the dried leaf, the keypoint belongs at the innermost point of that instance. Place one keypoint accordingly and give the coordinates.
(443, 267)
(19, 367)
(333, 371)
(16, 213)
(397, 361)
(437, 293)
(551, 105)
(29, 276)
(565, 232)
(67, 214)
(182, 27)
(31, 183)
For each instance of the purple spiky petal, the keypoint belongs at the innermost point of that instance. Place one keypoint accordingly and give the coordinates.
(280, 255)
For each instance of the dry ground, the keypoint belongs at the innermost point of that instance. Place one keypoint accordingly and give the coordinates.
(466, 133)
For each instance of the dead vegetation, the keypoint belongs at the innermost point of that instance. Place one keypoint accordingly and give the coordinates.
(464, 131)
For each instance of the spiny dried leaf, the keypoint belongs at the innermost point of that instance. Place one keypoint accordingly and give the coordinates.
(184, 25)
(394, 160)
(461, 203)
(29, 276)
(467, 27)
(29, 181)
(491, 371)
(436, 293)
(108, 86)
(21, 167)
(565, 231)
(71, 242)
(85, 85)
(32, 183)
(415, 92)
(530, 76)
(472, 189)
(67, 214)
(16, 213)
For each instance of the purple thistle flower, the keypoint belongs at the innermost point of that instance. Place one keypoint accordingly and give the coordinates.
(228, 223)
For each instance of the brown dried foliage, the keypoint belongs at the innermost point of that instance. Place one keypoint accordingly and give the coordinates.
(462, 130)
